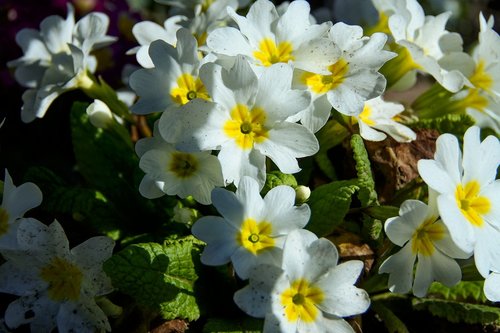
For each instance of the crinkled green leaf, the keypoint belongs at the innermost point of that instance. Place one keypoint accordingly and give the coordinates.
(463, 291)
(160, 277)
(458, 311)
(84, 204)
(240, 325)
(329, 205)
(367, 194)
(329, 136)
(455, 124)
(276, 178)
(382, 212)
(391, 321)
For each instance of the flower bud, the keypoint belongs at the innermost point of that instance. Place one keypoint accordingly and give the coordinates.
(302, 194)
(99, 114)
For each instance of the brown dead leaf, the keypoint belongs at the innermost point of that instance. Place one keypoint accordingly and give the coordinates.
(171, 326)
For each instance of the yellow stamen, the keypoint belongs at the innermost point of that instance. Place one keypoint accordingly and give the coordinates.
(300, 301)
(188, 88)
(365, 116)
(424, 237)
(183, 165)
(480, 78)
(255, 236)
(321, 84)
(269, 53)
(64, 279)
(471, 204)
(246, 127)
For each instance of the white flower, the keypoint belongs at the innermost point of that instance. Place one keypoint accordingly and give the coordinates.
(423, 39)
(349, 79)
(251, 229)
(492, 287)
(56, 285)
(16, 201)
(173, 172)
(468, 194)
(421, 235)
(99, 114)
(267, 38)
(310, 293)
(380, 115)
(57, 57)
(173, 81)
(246, 123)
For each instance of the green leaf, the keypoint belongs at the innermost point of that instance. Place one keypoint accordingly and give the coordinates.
(391, 321)
(463, 291)
(455, 124)
(332, 134)
(240, 325)
(160, 277)
(329, 205)
(382, 212)
(367, 194)
(458, 311)
(276, 178)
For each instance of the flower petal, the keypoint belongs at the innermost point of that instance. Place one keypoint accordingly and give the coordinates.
(400, 269)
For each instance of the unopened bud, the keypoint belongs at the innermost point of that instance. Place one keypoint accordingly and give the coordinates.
(302, 194)
(99, 114)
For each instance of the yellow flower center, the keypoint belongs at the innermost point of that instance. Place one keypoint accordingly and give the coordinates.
(4, 221)
(480, 78)
(365, 116)
(381, 26)
(201, 38)
(188, 88)
(269, 53)
(321, 84)
(471, 204)
(64, 279)
(300, 300)
(255, 237)
(183, 165)
(424, 237)
(246, 127)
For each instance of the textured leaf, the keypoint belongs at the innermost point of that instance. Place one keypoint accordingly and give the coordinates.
(160, 277)
(463, 291)
(242, 325)
(459, 312)
(455, 124)
(329, 205)
(276, 178)
(382, 212)
(367, 194)
(391, 321)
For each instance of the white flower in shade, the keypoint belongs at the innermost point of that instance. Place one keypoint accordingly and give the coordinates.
(57, 57)
(310, 293)
(382, 116)
(425, 40)
(267, 38)
(468, 194)
(350, 78)
(252, 229)
(246, 123)
(173, 81)
(173, 172)
(16, 201)
(57, 286)
(146, 32)
(492, 287)
(99, 114)
(425, 238)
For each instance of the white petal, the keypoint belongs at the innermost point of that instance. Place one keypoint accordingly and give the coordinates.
(400, 268)
(488, 152)
(228, 41)
(93, 252)
(461, 230)
(83, 316)
(487, 249)
(237, 163)
(437, 267)
(243, 260)
(295, 253)
(150, 188)
(281, 210)
(229, 206)
(17, 313)
(21, 199)
(492, 287)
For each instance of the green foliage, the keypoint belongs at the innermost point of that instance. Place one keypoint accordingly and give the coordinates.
(329, 205)
(391, 321)
(463, 291)
(239, 325)
(455, 124)
(458, 311)
(276, 178)
(382, 212)
(367, 194)
(332, 134)
(160, 277)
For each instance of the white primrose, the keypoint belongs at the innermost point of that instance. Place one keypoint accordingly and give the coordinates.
(468, 194)
(252, 229)
(379, 115)
(57, 286)
(56, 58)
(16, 201)
(492, 287)
(424, 238)
(246, 121)
(173, 172)
(173, 81)
(349, 78)
(267, 38)
(308, 292)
